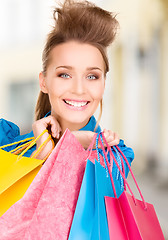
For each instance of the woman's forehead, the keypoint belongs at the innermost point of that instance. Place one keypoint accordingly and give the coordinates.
(76, 54)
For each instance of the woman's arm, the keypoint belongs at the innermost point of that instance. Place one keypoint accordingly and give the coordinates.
(85, 137)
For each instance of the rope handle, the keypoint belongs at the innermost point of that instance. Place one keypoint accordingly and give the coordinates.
(133, 176)
(15, 143)
(40, 148)
(111, 158)
(145, 205)
(111, 178)
(31, 142)
(20, 148)
(90, 148)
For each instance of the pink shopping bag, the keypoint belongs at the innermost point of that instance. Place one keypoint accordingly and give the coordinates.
(128, 217)
(47, 208)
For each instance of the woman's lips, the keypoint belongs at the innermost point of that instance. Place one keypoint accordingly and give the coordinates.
(76, 104)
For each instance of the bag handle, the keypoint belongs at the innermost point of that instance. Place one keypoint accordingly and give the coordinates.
(14, 143)
(121, 164)
(40, 148)
(25, 147)
(20, 148)
(111, 178)
(133, 176)
(90, 148)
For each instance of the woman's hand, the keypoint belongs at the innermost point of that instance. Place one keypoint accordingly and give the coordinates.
(50, 123)
(85, 137)
(112, 138)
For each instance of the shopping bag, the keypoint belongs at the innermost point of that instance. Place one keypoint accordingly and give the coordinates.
(46, 210)
(17, 172)
(128, 217)
(90, 219)
(85, 209)
(90, 209)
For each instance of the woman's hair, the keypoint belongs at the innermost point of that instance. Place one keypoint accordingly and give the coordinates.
(81, 21)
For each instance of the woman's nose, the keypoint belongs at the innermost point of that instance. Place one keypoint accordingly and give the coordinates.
(78, 86)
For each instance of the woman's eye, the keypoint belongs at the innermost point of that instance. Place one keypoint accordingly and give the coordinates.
(92, 77)
(64, 75)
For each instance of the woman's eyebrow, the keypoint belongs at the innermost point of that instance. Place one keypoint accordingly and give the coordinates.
(88, 68)
(94, 68)
(68, 67)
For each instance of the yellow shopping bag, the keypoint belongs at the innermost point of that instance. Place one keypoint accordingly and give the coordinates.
(17, 172)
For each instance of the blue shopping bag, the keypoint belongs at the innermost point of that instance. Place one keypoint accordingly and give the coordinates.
(90, 219)
(83, 220)
(102, 188)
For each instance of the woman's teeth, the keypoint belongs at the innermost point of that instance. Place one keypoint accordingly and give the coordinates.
(76, 104)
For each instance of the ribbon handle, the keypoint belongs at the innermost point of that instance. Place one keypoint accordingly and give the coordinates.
(26, 146)
(122, 174)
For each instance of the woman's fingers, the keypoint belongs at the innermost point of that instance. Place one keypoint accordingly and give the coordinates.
(47, 123)
(112, 138)
(53, 127)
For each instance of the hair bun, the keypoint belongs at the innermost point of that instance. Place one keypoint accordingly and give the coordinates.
(86, 22)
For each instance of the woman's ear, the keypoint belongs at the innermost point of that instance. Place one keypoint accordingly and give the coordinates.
(42, 82)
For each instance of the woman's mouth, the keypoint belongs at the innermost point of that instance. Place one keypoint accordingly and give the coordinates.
(75, 103)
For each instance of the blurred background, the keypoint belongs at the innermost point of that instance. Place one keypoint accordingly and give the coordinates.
(136, 99)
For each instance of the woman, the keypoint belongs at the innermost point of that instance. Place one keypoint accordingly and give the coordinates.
(72, 81)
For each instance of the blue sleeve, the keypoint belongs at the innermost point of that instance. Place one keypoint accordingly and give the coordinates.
(8, 132)
(129, 154)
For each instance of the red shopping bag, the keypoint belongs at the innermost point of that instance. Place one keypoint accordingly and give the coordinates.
(47, 208)
(128, 217)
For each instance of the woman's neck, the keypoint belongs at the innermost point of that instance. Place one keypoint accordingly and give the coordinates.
(71, 126)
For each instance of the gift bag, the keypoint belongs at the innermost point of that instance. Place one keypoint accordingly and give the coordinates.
(128, 217)
(90, 218)
(17, 172)
(85, 209)
(90, 210)
(47, 208)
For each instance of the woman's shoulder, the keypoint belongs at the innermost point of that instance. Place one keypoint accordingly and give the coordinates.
(8, 131)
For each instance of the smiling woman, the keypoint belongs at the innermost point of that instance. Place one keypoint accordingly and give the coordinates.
(73, 77)
(74, 86)
(75, 64)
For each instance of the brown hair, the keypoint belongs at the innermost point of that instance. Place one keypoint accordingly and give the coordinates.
(81, 21)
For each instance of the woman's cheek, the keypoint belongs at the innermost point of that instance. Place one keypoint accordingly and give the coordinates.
(98, 93)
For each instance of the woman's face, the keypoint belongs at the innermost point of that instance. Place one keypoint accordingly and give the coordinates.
(74, 81)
